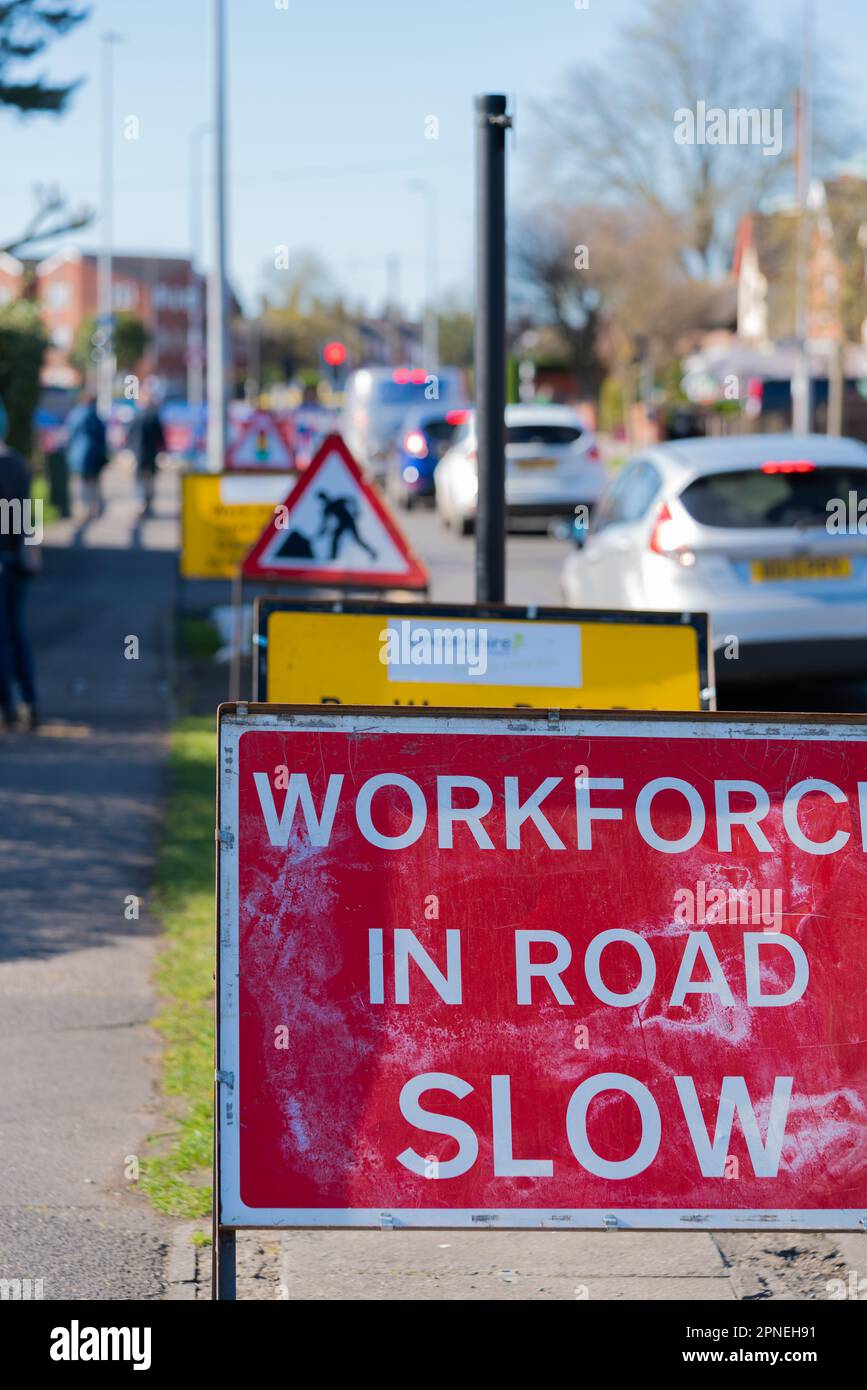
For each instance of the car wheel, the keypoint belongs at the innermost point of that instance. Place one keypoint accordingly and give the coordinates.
(468, 525)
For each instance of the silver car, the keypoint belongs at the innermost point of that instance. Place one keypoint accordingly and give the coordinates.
(552, 465)
(760, 531)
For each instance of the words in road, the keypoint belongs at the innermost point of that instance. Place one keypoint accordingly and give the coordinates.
(474, 985)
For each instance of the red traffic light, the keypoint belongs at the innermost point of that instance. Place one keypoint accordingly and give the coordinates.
(334, 354)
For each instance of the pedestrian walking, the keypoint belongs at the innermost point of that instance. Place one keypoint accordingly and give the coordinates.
(18, 563)
(87, 452)
(147, 440)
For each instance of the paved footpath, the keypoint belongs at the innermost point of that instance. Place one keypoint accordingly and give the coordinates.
(80, 805)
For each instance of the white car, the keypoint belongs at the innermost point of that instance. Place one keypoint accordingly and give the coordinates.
(760, 531)
(552, 466)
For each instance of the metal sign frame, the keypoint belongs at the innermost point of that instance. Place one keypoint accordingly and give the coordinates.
(237, 720)
(468, 612)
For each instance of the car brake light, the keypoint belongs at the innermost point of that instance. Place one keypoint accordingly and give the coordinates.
(401, 376)
(456, 417)
(661, 528)
(664, 539)
(416, 444)
(418, 376)
(593, 453)
(789, 466)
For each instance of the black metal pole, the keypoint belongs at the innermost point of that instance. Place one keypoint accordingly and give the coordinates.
(227, 1283)
(491, 126)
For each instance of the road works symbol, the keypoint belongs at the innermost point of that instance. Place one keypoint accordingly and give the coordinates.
(263, 442)
(335, 529)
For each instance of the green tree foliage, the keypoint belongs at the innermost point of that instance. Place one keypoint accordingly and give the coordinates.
(23, 341)
(131, 339)
(612, 412)
(302, 311)
(456, 334)
(27, 27)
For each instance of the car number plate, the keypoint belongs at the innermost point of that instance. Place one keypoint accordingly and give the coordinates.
(808, 567)
(534, 463)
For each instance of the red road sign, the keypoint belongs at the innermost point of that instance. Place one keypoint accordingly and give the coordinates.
(264, 440)
(335, 529)
(485, 970)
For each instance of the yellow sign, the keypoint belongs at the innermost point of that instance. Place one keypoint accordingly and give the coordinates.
(222, 515)
(405, 654)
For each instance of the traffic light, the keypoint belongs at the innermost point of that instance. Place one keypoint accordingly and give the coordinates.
(334, 354)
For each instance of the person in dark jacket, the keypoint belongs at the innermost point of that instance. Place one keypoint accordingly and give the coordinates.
(147, 440)
(87, 452)
(16, 656)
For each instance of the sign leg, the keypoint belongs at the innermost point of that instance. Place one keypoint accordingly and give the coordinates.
(237, 629)
(225, 1284)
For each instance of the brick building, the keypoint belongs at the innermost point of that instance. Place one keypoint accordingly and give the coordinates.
(11, 278)
(161, 291)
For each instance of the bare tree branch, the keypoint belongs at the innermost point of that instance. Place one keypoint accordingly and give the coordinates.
(51, 218)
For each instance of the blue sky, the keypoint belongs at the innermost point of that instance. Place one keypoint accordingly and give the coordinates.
(327, 108)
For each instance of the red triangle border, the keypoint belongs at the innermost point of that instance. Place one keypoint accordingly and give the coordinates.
(415, 576)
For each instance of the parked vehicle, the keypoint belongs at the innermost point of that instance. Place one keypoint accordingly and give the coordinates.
(747, 529)
(552, 465)
(376, 401)
(424, 437)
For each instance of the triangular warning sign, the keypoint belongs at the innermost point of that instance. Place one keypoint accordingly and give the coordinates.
(261, 443)
(335, 529)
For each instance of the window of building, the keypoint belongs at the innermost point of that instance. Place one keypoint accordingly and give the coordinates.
(57, 294)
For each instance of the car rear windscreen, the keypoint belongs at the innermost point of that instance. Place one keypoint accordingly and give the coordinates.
(400, 392)
(439, 431)
(543, 434)
(410, 393)
(750, 498)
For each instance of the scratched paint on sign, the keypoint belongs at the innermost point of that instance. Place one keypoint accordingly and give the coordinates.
(469, 980)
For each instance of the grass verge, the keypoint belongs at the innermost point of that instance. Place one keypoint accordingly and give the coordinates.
(200, 638)
(40, 492)
(176, 1175)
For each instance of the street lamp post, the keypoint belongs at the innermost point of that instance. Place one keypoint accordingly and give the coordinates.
(492, 122)
(105, 304)
(801, 386)
(218, 317)
(195, 316)
(430, 338)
